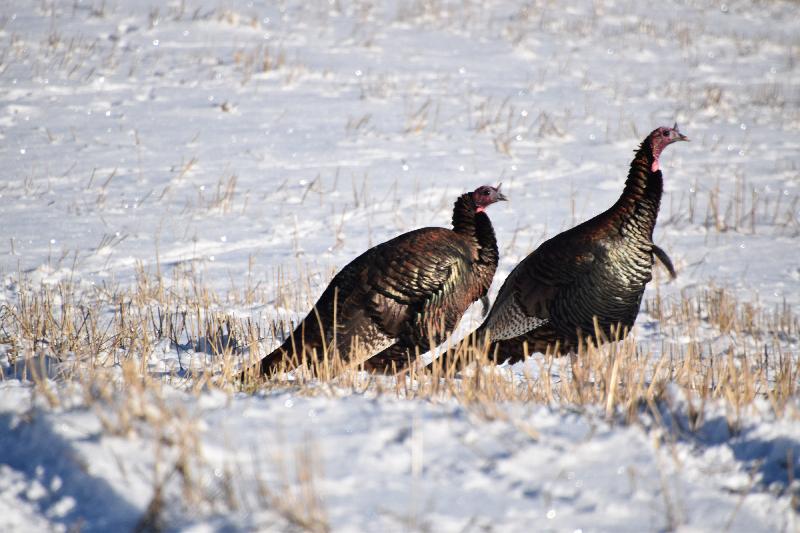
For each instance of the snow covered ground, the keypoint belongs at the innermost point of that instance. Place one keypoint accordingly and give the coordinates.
(262, 146)
(398, 465)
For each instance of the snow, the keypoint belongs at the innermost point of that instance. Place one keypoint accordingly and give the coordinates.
(247, 141)
(389, 463)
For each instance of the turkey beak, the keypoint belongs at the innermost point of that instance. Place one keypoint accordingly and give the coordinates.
(500, 196)
(680, 136)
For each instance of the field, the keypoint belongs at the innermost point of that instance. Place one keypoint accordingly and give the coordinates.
(182, 179)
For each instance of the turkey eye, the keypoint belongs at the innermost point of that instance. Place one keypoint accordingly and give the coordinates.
(486, 193)
(666, 134)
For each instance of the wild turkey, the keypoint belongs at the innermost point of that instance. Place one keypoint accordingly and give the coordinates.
(401, 294)
(596, 269)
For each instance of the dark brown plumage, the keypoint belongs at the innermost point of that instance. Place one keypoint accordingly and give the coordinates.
(597, 269)
(401, 294)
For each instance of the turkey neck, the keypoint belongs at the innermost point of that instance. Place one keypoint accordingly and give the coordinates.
(636, 210)
(477, 228)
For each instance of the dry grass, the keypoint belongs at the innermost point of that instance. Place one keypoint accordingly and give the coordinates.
(179, 331)
(507, 125)
(740, 209)
(94, 348)
(109, 345)
(258, 60)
